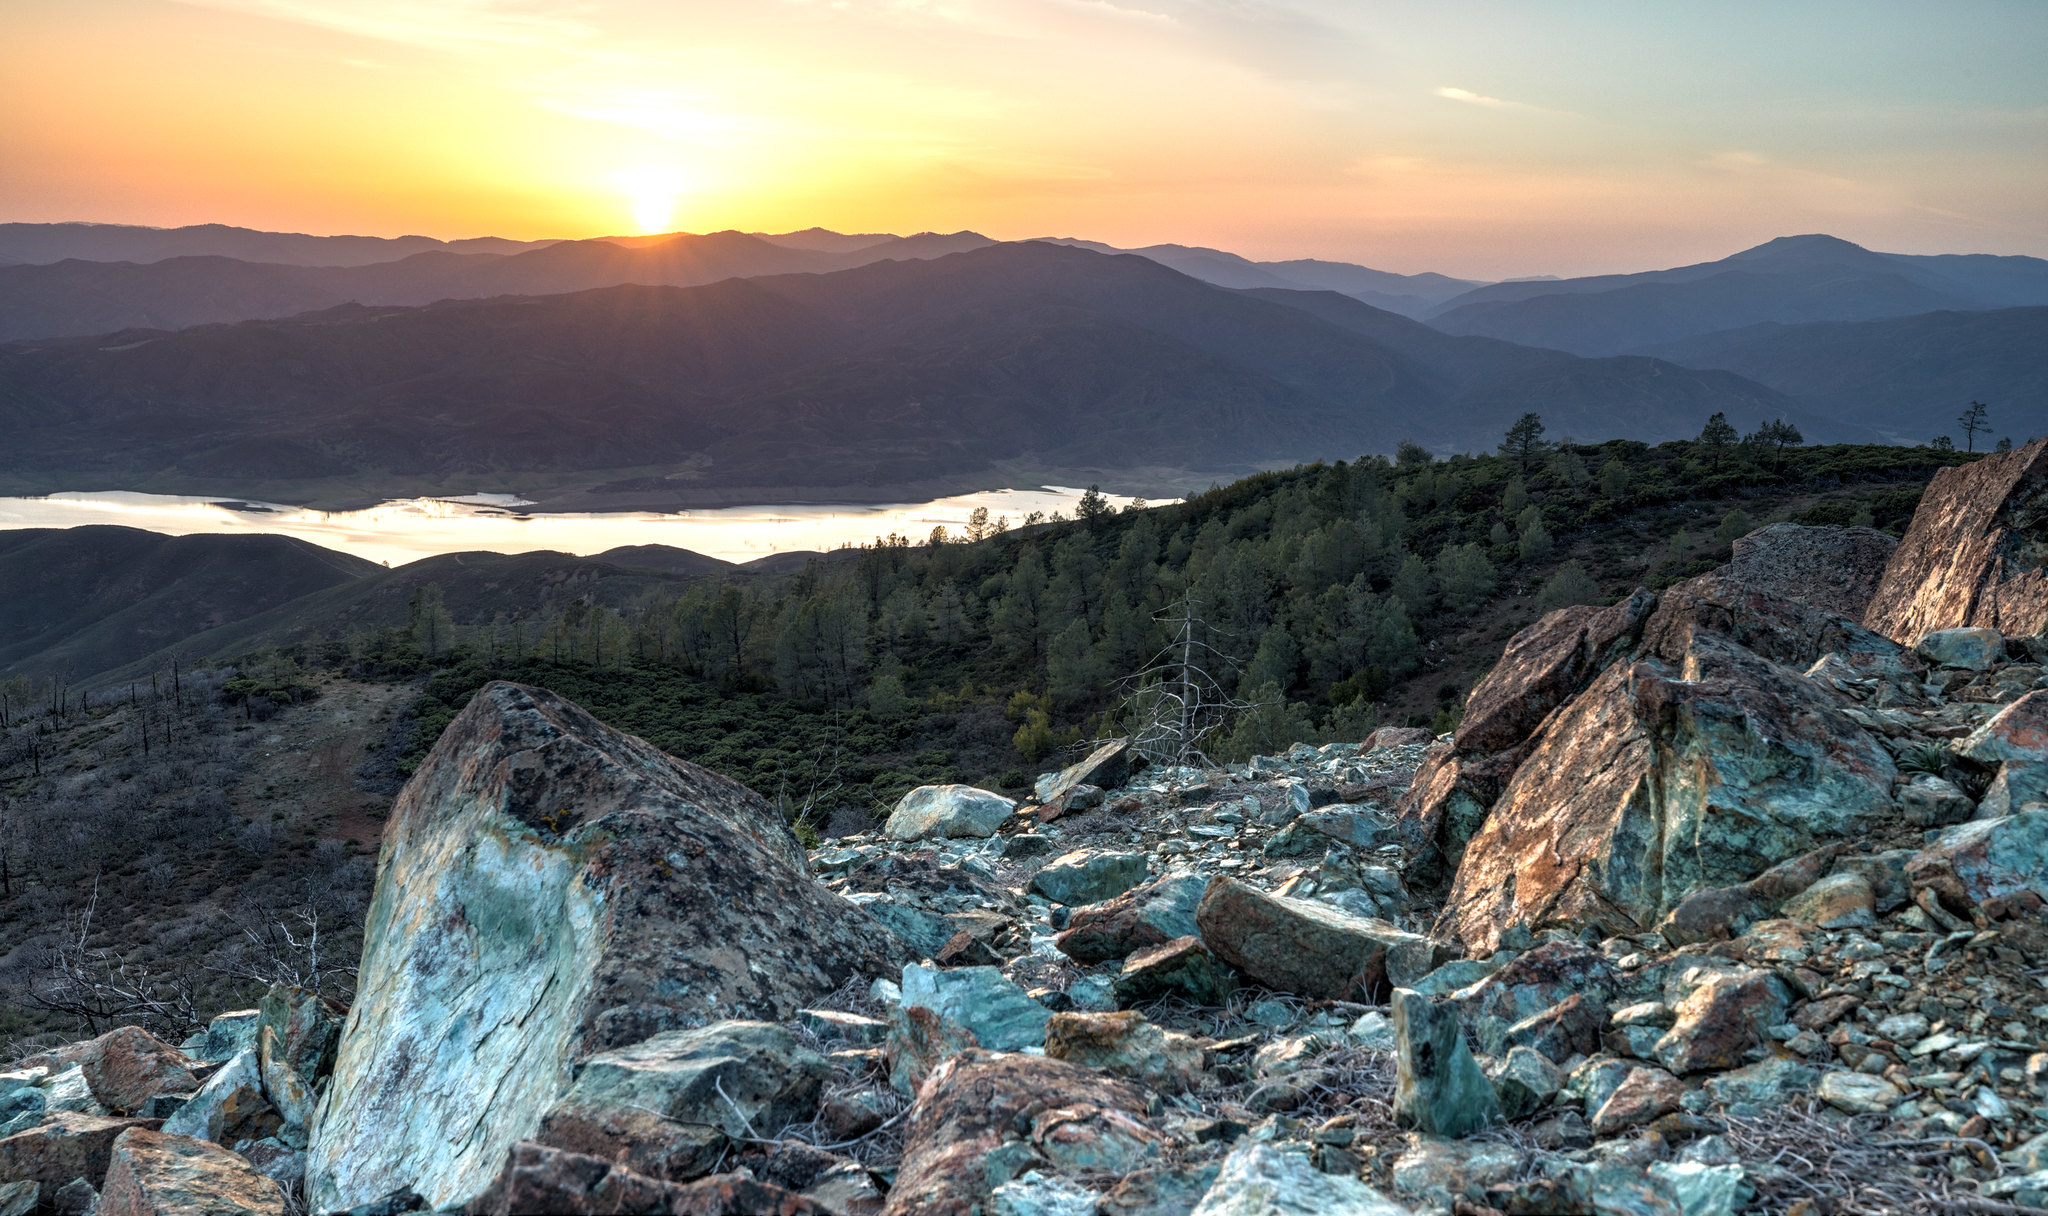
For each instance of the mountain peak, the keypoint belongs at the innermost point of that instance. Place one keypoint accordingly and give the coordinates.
(1807, 246)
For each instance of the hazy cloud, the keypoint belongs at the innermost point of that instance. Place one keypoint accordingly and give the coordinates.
(439, 24)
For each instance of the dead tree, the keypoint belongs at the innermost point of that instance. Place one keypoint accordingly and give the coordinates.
(1174, 704)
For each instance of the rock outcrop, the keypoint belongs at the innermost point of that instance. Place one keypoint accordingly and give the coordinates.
(549, 889)
(1837, 570)
(1656, 782)
(1974, 552)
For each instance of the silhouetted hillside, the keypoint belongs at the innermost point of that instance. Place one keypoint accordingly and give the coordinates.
(1790, 280)
(89, 297)
(81, 600)
(895, 371)
(1907, 376)
(1411, 295)
(44, 243)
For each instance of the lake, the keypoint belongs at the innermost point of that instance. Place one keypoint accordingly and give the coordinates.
(404, 530)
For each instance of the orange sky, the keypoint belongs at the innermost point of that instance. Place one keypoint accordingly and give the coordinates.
(1478, 139)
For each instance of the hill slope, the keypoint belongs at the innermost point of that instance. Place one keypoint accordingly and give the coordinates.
(888, 373)
(36, 244)
(1790, 280)
(82, 600)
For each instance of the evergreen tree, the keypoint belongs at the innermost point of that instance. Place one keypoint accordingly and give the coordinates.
(1614, 480)
(1972, 420)
(1716, 438)
(1524, 441)
(1464, 576)
(1570, 585)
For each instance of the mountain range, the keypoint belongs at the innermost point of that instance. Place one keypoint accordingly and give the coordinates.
(1786, 281)
(862, 379)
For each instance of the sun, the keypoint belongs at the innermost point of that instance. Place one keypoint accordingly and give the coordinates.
(651, 193)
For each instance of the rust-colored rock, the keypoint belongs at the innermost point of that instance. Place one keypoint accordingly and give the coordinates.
(1656, 782)
(1543, 666)
(1298, 945)
(550, 888)
(128, 1065)
(1147, 915)
(1396, 736)
(65, 1146)
(1643, 1095)
(1444, 806)
(1779, 628)
(539, 1179)
(1721, 1019)
(1538, 981)
(1834, 569)
(1973, 554)
(152, 1174)
(985, 1118)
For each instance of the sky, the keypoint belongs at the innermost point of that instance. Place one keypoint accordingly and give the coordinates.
(1485, 140)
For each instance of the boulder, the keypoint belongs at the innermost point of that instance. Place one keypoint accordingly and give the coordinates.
(1970, 556)
(225, 1036)
(64, 1146)
(999, 1013)
(1107, 767)
(1721, 1018)
(1127, 1045)
(537, 1178)
(670, 1104)
(1643, 1095)
(1151, 914)
(1655, 783)
(549, 889)
(985, 1118)
(1352, 826)
(1299, 945)
(1985, 859)
(153, 1174)
(1834, 569)
(919, 1040)
(1539, 981)
(1088, 876)
(1839, 901)
(1525, 1082)
(17, 1198)
(1764, 1085)
(1543, 667)
(1444, 1175)
(1970, 649)
(230, 1107)
(1571, 1027)
(2017, 786)
(932, 812)
(127, 1066)
(1785, 631)
(1258, 1180)
(1858, 1093)
(1181, 968)
(1928, 801)
(2017, 732)
(1438, 1085)
(1397, 736)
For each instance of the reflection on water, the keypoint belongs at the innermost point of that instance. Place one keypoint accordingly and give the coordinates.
(404, 530)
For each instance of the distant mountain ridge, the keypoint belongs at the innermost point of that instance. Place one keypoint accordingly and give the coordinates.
(78, 297)
(886, 373)
(1907, 376)
(1790, 280)
(41, 244)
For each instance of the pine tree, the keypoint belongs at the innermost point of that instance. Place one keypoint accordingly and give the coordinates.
(1524, 442)
(1972, 421)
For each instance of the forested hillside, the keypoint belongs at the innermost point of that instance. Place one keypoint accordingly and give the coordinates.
(1346, 594)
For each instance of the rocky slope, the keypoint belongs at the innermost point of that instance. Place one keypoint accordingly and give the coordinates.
(1716, 901)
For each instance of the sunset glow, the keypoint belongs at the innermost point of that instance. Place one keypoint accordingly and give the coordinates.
(1485, 139)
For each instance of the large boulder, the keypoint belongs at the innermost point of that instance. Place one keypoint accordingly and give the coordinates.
(1834, 569)
(1655, 783)
(984, 1118)
(1088, 876)
(1107, 767)
(1781, 629)
(550, 889)
(1148, 915)
(1304, 947)
(153, 1174)
(939, 811)
(1973, 553)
